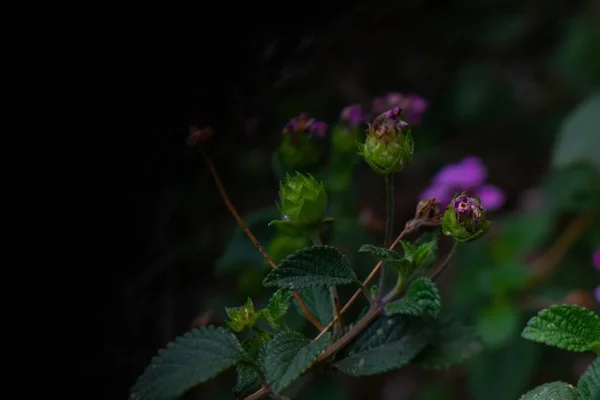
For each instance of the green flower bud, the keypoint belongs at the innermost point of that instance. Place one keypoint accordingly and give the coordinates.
(243, 317)
(302, 204)
(283, 245)
(300, 147)
(464, 218)
(344, 137)
(389, 146)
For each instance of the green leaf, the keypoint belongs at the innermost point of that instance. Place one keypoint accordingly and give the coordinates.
(568, 327)
(288, 356)
(578, 136)
(425, 252)
(193, 358)
(248, 379)
(318, 301)
(243, 317)
(552, 391)
(503, 373)
(453, 343)
(388, 343)
(422, 299)
(381, 254)
(312, 266)
(589, 383)
(277, 308)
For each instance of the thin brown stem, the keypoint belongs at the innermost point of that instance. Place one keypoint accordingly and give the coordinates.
(259, 394)
(553, 256)
(408, 228)
(251, 236)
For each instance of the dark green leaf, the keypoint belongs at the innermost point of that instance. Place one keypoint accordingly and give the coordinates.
(388, 343)
(503, 373)
(312, 266)
(453, 343)
(318, 301)
(422, 299)
(568, 327)
(277, 308)
(382, 254)
(589, 383)
(288, 356)
(425, 252)
(248, 379)
(579, 135)
(191, 359)
(552, 391)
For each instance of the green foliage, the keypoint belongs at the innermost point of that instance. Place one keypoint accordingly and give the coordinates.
(578, 139)
(568, 327)
(502, 373)
(422, 299)
(191, 359)
(589, 383)
(452, 344)
(248, 377)
(382, 254)
(277, 308)
(387, 344)
(243, 317)
(313, 266)
(552, 391)
(318, 301)
(288, 356)
(498, 322)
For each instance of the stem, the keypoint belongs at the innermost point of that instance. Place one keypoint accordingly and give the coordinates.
(251, 236)
(335, 299)
(408, 228)
(365, 291)
(389, 224)
(365, 321)
(446, 261)
(259, 394)
(395, 291)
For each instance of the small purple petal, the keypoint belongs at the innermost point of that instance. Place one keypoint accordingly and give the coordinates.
(318, 128)
(441, 193)
(353, 115)
(596, 259)
(380, 104)
(470, 172)
(492, 198)
(597, 293)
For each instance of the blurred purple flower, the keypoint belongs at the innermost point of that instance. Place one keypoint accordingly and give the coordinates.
(303, 123)
(596, 259)
(468, 175)
(413, 105)
(597, 293)
(353, 115)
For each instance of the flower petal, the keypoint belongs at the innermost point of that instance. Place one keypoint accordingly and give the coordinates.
(492, 197)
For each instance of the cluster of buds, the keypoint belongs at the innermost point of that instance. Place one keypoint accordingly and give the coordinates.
(464, 218)
(389, 146)
(298, 149)
(303, 201)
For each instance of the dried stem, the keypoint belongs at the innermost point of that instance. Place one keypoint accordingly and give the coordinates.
(251, 236)
(552, 257)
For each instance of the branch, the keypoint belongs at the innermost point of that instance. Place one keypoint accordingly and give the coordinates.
(251, 236)
(408, 228)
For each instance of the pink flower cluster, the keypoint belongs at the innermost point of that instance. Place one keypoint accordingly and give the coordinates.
(412, 107)
(468, 175)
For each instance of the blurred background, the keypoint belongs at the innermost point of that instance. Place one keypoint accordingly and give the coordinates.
(514, 83)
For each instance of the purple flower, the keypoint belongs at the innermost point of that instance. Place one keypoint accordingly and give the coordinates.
(596, 259)
(597, 293)
(412, 105)
(353, 115)
(303, 123)
(468, 175)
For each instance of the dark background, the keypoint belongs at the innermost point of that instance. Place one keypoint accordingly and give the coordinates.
(498, 75)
